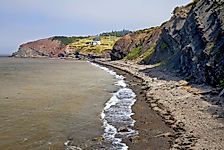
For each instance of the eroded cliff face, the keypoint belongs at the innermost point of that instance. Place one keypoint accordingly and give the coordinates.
(141, 41)
(191, 42)
(41, 48)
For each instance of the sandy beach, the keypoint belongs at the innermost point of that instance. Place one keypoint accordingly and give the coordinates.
(171, 111)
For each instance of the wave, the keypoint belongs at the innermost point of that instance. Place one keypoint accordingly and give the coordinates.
(116, 115)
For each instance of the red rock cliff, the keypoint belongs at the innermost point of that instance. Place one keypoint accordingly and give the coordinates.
(41, 48)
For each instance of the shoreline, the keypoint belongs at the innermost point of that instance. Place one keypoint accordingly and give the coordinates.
(151, 138)
(146, 139)
(183, 108)
(190, 116)
(116, 115)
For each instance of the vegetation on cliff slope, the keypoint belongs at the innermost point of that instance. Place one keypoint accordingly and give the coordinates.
(135, 53)
(67, 40)
(191, 43)
(136, 45)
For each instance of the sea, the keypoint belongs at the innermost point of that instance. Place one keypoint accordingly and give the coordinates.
(54, 104)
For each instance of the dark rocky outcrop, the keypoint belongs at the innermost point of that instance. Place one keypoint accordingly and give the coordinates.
(49, 47)
(191, 43)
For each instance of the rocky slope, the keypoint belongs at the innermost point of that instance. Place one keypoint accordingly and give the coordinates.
(49, 47)
(195, 116)
(191, 43)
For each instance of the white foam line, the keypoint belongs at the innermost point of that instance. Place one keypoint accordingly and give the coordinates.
(109, 130)
(71, 147)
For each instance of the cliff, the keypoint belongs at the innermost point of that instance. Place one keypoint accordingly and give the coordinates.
(49, 47)
(135, 44)
(190, 43)
(61, 46)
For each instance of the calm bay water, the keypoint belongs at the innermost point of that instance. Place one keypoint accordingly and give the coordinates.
(45, 102)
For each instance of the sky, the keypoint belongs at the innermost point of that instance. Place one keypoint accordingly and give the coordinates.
(27, 20)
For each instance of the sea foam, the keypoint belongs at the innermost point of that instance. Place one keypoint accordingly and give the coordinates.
(117, 113)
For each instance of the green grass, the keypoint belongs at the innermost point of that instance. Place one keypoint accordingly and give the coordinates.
(149, 52)
(67, 40)
(221, 83)
(146, 30)
(164, 46)
(134, 53)
(83, 45)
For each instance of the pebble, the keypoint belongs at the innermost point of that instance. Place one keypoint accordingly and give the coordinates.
(134, 139)
(171, 93)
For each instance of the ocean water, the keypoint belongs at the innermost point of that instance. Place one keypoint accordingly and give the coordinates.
(61, 104)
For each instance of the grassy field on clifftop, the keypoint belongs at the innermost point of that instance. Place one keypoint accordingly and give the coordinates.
(84, 45)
